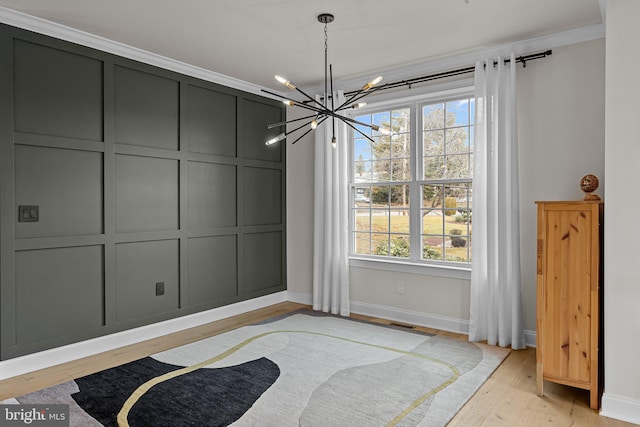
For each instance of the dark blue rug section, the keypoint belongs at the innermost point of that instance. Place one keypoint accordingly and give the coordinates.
(205, 397)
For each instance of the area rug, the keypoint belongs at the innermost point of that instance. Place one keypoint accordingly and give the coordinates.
(297, 370)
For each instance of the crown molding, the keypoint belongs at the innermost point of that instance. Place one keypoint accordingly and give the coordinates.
(469, 58)
(603, 11)
(63, 32)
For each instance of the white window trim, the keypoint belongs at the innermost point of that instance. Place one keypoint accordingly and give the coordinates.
(444, 92)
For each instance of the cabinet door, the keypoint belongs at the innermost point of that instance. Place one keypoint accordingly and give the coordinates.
(566, 313)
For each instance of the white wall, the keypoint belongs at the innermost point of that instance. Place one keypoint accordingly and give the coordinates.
(561, 139)
(621, 397)
(561, 131)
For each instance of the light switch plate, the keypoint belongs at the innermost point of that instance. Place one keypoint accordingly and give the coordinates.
(28, 213)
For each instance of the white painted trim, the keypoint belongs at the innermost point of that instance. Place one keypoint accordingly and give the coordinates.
(530, 338)
(300, 297)
(620, 408)
(434, 321)
(59, 31)
(412, 268)
(603, 11)
(55, 356)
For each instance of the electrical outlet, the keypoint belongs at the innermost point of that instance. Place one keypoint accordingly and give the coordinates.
(159, 288)
(400, 288)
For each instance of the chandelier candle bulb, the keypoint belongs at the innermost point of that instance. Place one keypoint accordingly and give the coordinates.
(314, 124)
(359, 105)
(285, 82)
(372, 83)
(276, 139)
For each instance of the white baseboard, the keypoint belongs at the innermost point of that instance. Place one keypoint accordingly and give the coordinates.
(530, 339)
(620, 408)
(443, 323)
(300, 297)
(55, 356)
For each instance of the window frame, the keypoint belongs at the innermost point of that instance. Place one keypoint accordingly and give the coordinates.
(415, 264)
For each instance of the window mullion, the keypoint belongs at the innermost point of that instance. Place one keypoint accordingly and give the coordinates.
(415, 227)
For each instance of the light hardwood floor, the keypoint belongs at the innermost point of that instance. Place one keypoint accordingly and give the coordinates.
(507, 398)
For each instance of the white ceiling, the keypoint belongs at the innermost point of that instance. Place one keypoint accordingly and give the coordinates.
(252, 40)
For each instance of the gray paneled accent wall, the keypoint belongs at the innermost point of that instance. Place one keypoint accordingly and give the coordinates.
(129, 194)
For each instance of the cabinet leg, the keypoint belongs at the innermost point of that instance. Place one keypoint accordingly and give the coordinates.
(539, 381)
(593, 401)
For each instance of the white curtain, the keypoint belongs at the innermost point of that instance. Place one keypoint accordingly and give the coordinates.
(496, 306)
(331, 218)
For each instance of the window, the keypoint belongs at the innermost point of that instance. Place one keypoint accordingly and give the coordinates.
(411, 190)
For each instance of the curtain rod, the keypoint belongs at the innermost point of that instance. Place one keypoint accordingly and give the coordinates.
(520, 59)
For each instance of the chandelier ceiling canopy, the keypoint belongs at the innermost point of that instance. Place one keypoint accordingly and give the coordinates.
(326, 108)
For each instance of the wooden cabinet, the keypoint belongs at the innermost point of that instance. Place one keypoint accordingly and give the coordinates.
(569, 295)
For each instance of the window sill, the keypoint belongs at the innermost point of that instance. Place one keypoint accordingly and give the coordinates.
(449, 271)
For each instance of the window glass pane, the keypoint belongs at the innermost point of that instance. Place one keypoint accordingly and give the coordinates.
(362, 197)
(382, 119)
(362, 171)
(458, 112)
(381, 148)
(380, 195)
(400, 171)
(361, 149)
(380, 220)
(364, 119)
(432, 196)
(399, 246)
(434, 167)
(400, 144)
(433, 116)
(458, 166)
(362, 243)
(432, 247)
(457, 140)
(399, 221)
(472, 111)
(400, 122)
(381, 170)
(380, 244)
(433, 143)
(362, 220)
(399, 196)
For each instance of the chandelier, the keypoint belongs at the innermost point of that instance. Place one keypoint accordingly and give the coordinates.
(325, 109)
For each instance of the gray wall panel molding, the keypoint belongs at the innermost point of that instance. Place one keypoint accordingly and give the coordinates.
(146, 194)
(146, 109)
(8, 208)
(71, 300)
(58, 242)
(208, 158)
(155, 188)
(65, 184)
(158, 153)
(57, 142)
(211, 122)
(56, 92)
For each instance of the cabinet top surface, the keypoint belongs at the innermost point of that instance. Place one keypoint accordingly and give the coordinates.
(570, 202)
